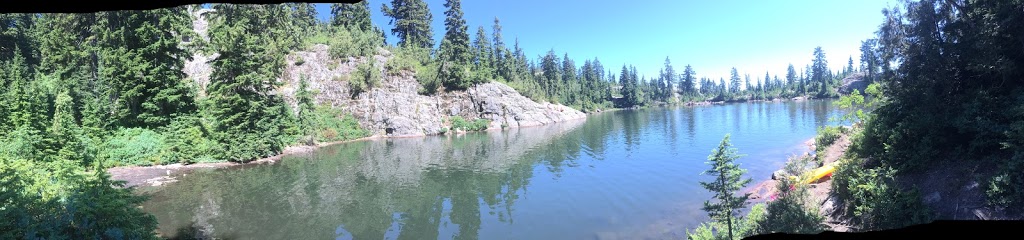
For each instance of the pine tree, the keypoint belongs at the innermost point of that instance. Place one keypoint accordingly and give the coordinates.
(746, 80)
(483, 57)
(849, 66)
(303, 17)
(688, 79)
(249, 119)
(728, 180)
(869, 58)
(455, 52)
(17, 37)
(734, 81)
(500, 52)
(569, 80)
(352, 15)
(411, 19)
(791, 76)
(141, 62)
(819, 70)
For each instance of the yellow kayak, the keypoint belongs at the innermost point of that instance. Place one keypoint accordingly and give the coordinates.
(818, 173)
(821, 173)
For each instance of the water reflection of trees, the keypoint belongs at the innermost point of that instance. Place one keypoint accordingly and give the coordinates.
(367, 188)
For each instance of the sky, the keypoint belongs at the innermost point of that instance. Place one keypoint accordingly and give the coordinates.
(754, 36)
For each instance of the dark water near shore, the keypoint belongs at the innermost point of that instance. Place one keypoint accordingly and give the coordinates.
(618, 175)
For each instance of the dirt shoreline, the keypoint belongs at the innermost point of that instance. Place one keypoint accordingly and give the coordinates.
(161, 174)
(820, 191)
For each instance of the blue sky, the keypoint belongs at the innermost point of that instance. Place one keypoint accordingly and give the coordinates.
(712, 36)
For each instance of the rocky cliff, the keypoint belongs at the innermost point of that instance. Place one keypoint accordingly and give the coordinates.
(393, 109)
(396, 109)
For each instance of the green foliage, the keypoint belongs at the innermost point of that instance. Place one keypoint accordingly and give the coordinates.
(407, 59)
(134, 146)
(745, 227)
(60, 200)
(366, 77)
(356, 43)
(248, 121)
(428, 78)
(142, 64)
(188, 140)
(871, 195)
(1005, 189)
(792, 212)
(352, 16)
(329, 125)
(728, 180)
(411, 20)
(827, 135)
(479, 124)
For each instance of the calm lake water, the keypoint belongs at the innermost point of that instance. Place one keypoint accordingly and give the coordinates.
(617, 175)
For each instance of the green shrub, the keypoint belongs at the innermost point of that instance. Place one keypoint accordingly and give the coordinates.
(871, 196)
(24, 142)
(1005, 189)
(187, 141)
(318, 37)
(744, 227)
(329, 124)
(60, 200)
(476, 125)
(529, 89)
(792, 212)
(134, 146)
(366, 77)
(354, 43)
(406, 59)
(826, 137)
(427, 77)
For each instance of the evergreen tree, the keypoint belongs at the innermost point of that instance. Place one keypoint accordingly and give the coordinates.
(791, 77)
(17, 36)
(411, 19)
(500, 52)
(734, 81)
(728, 180)
(455, 52)
(141, 62)
(483, 57)
(849, 66)
(551, 72)
(819, 70)
(746, 80)
(249, 119)
(688, 79)
(669, 76)
(352, 15)
(868, 58)
(303, 17)
(569, 80)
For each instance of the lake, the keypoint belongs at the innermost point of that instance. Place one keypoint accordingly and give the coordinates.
(616, 175)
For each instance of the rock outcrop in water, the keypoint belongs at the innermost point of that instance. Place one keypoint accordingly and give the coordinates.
(394, 108)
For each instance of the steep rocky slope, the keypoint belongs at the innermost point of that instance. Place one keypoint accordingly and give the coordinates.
(394, 108)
